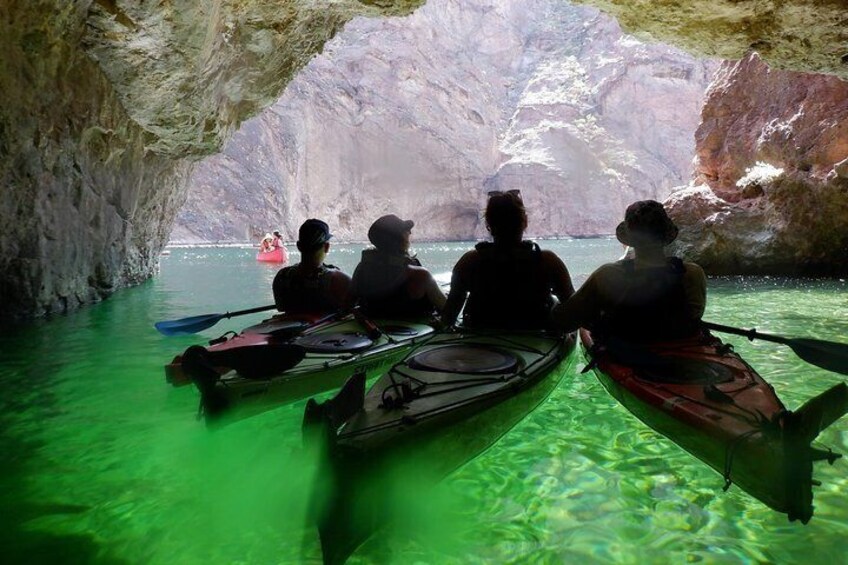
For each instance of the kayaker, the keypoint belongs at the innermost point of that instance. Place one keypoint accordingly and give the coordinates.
(277, 240)
(388, 282)
(265, 244)
(311, 286)
(649, 297)
(509, 282)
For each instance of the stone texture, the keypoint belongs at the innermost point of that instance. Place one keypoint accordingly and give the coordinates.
(421, 115)
(99, 104)
(605, 122)
(799, 35)
(771, 193)
(89, 153)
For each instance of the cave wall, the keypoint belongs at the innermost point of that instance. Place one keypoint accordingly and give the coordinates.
(103, 104)
(770, 194)
(85, 208)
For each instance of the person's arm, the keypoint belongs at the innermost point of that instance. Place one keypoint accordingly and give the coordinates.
(434, 293)
(352, 291)
(580, 309)
(279, 291)
(561, 285)
(340, 289)
(695, 287)
(458, 291)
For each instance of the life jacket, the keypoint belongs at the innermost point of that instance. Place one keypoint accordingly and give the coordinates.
(381, 282)
(298, 291)
(509, 288)
(650, 305)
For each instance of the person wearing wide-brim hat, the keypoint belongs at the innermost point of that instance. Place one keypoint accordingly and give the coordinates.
(650, 297)
(312, 286)
(389, 282)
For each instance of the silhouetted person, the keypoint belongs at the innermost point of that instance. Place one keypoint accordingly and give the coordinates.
(388, 282)
(311, 286)
(509, 283)
(649, 297)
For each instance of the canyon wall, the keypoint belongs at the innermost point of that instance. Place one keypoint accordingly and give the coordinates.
(103, 102)
(422, 115)
(770, 194)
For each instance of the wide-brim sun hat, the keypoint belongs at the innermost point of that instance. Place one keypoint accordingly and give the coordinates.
(646, 223)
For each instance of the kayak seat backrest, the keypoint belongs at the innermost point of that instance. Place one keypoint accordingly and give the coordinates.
(468, 359)
(681, 370)
(278, 327)
(335, 342)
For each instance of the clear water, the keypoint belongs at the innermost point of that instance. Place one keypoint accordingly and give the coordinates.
(102, 462)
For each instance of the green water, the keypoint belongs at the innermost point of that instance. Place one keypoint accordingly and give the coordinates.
(105, 463)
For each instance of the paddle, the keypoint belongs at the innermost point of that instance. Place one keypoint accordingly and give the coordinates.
(825, 354)
(194, 324)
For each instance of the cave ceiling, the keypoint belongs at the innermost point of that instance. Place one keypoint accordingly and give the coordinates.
(189, 72)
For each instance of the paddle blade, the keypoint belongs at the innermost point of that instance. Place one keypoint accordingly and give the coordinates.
(187, 326)
(820, 412)
(825, 354)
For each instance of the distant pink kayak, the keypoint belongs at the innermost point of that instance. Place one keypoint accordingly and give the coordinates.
(277, 255)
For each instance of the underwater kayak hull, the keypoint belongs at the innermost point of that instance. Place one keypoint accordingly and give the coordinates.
(277, 255)
(709, 401)
(417, 424)
(267, 372)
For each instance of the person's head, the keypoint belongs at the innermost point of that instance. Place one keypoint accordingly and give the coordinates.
(506, 218)
(390, 234)
(646, 224)
(277, 235)
(313, 237)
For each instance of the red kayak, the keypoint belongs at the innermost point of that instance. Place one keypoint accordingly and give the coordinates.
(708, 400)
(274, 330)
(277, 255)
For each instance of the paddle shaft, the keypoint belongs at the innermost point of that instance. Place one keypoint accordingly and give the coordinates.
(829, 355)
(750, 334)
(249, 311)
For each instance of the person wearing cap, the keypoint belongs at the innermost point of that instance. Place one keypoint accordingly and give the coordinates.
(509, 282)
(311, 286)
(388, 282)
(649, 297)
(277, 240)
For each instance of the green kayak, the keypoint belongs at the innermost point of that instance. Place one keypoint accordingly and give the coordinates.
(435, 410)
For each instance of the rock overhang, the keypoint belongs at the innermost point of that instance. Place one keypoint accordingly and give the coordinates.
(169, 81)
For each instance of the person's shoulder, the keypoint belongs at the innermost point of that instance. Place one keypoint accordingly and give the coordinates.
(615, 267)
(694, 270)
(467, 262)
(337, 273)
(549, 256)
(286, 270)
